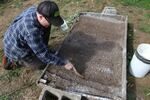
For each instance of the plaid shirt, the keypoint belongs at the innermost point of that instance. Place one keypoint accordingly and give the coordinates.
(26, 37)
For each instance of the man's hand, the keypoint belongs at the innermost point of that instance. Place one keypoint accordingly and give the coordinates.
(69, 66)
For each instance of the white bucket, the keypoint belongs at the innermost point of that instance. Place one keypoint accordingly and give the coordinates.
(140, 63)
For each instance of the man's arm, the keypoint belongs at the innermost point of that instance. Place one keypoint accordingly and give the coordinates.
(36, 43)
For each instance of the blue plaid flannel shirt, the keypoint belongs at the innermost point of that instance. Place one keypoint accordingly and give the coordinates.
(25, 37)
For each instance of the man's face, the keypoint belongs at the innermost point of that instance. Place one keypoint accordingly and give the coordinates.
(43, 21)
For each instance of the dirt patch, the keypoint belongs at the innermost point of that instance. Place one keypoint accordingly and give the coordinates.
(95, 47)
(142, 38)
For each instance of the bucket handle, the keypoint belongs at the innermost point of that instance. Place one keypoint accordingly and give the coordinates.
(142, 58)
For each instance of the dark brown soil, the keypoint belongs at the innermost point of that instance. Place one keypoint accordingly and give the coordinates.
(95, 47)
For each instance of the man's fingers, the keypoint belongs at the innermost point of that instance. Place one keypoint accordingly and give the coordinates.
(69, 66)
(77, 73)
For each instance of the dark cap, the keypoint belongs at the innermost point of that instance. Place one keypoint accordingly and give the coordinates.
(50, 11)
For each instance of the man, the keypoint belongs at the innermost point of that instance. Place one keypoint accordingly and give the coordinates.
(26, 39)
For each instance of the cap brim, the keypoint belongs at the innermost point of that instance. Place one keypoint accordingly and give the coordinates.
(56, 21)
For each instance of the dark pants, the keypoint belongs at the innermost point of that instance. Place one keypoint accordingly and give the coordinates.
(33, 62)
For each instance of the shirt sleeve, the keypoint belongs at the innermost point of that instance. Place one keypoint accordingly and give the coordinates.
(36, 43)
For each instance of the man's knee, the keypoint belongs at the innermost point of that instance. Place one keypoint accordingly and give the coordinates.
(9, 64)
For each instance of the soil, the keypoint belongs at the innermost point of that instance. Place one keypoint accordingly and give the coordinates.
(95, 47)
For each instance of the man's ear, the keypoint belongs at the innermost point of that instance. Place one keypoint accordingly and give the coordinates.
(40, 16)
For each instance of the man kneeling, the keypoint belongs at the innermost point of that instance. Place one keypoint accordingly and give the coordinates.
(26, 39)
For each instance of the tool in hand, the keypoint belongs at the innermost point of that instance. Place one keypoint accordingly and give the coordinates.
(77, 73)
(74, 69)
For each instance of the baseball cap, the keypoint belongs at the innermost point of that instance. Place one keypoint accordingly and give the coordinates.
(50, 11)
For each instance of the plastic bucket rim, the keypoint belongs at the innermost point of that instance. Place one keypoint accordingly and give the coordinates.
(141, 58)
(139, 48)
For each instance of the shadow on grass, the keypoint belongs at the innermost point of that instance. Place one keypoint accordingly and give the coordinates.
(4, 1)
(131, 86)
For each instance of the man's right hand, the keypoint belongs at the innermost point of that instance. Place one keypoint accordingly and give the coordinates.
(69, 66)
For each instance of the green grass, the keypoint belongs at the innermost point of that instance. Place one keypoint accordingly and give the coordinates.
(4, 97)
(17, 92)
(10, 3)
(98, 1)
(9, 96)
(139, 3)
(144, 27)
(147, 92)
(7, 77)
(10, 74)
(144, 24)
(2, 7)
(147, 16)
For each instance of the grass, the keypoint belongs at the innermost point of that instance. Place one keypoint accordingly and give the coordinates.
(10, 75)
(144, 27)
(17, 92)
(10, 3)
(144, 24)
(145, 4)
(147, 92)
(98, 1)
(147, 16)
(8, 96)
